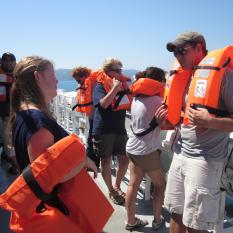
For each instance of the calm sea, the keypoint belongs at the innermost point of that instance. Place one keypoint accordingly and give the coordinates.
(67, 85)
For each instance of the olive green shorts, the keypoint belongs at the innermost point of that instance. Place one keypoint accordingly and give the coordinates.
(106, 145)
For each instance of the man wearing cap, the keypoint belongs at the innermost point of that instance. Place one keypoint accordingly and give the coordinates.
(193, 185)
(8, 62)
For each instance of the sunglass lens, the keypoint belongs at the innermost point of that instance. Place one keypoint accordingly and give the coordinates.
(180, 51)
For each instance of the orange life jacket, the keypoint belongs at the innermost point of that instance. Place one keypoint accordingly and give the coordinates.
(23, 199)
(205, 86)
(123, 99)
(84, 95)
(177, 81)
(5, 85)
(147, 87)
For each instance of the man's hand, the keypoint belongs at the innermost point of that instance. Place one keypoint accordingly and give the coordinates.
(199, 117)
(116, 84)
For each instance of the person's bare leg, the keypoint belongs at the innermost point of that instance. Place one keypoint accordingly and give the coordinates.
(136, 175)
(106, 172)
(176, 224)
(123, 163)
(158, 180)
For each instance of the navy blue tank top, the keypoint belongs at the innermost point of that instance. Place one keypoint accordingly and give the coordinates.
(27, 123)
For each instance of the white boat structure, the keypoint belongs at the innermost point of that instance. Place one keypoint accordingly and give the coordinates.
(77, 123)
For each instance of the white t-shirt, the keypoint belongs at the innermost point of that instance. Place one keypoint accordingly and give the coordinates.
(142, 112)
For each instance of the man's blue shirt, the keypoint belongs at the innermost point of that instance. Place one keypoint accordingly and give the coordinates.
(106, 121)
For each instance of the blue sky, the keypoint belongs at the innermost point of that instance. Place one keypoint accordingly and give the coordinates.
(85, 32)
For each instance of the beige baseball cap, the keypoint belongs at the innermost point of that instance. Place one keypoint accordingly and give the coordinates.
(184, 38)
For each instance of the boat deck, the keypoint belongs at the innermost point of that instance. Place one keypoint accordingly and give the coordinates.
(74, 122)
(117, 221)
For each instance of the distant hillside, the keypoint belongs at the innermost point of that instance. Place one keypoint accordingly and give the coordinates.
(65, 74)
(130, 73)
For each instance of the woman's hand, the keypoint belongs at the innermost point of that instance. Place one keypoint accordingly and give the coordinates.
(161, 114)
(91, 165)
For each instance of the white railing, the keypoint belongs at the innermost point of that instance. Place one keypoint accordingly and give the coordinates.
(74, 122)
(71, 121)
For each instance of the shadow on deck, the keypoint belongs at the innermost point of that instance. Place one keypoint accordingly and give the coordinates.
(116, 223)
(5, 181)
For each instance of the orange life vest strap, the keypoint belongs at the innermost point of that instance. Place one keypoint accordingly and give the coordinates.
(120, 95)
(214, 67)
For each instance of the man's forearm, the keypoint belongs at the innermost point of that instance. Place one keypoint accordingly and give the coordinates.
(107, 100)
(224, 124)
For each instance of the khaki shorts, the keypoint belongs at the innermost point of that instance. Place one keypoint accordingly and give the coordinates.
(193, 190)
(149, 162)
(106, 145)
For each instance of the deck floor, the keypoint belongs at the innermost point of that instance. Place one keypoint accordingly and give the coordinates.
(117, 221)
(115, 224)
(5, 180)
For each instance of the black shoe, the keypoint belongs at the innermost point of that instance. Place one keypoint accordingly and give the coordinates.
(4, 155)
(13, 170)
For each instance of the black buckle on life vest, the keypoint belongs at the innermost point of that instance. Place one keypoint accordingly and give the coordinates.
(211, 110)
(50, 199)
(152, 126)
(172, 72)
(81, 105)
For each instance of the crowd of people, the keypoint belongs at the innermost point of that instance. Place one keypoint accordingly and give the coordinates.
(181, 100)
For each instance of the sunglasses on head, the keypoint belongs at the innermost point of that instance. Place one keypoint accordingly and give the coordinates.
(181, 51)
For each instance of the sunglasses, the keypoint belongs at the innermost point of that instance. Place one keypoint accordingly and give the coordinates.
(117, 70)
(181, 51)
